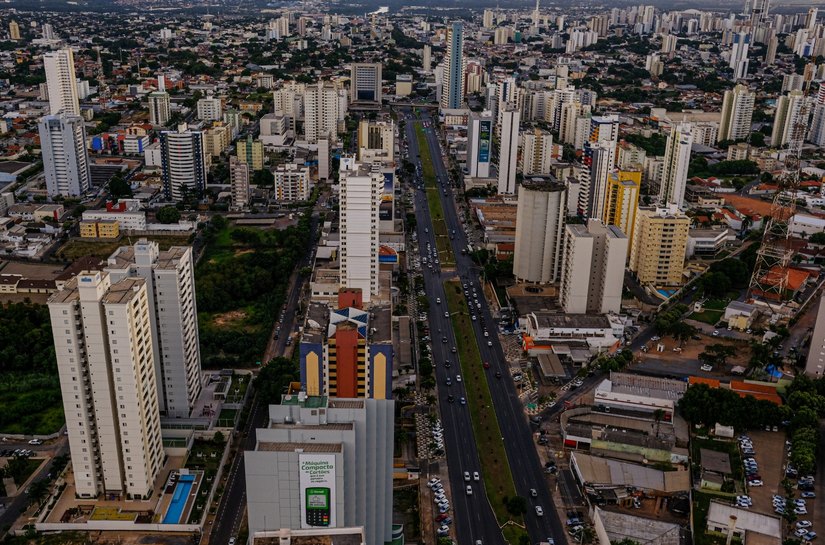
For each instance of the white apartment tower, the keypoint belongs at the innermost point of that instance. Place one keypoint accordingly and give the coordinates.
(479, 144)
(542, 207)
(816, 135)
(292, 182)
(170, 282)
(452, 83)
(593, 271)
(321, 112)
(508, 150)
(159, 108)
(183, 162)
(677, 161)
(788, 112)
(536, 153)
(739, 55)
(737, 113)
(61, 82)
(65, 158)
(361, 190)
(105, 360)
(210, 109)
(597, 162)
(239, 183)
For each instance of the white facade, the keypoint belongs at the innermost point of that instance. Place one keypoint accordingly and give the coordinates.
(737, 113)
(184, 162)
(508, 150)
(365, 83)
(321, 112)
(239, 183)
(788, 113)
(65, 158)
(739, 55)
(360, 200)
(536, 153)
(479, 144)
(593, 274)
(170, 280)
(210, 109)
(108, 385)
(61, 82)
(815, 365)
(540, 218)
(292, 182)
(159, 108)
(599, 158)
(378, 137)
(676, 163)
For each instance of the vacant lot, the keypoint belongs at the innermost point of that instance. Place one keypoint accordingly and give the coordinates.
(76, 248)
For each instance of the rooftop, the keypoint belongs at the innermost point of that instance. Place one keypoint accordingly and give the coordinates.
(653, 387)
(298, 447)
(579, 321)
(123, 291)
(309, 402)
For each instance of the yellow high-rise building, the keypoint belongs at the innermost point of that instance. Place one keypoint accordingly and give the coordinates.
(251, 152)
(14, 31)
(657, 256)
(622, 201)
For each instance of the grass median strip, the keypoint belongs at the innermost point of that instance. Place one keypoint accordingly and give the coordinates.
(495, 468)
(442, 238)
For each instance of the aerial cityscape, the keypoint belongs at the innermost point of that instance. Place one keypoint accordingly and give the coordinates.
(335, 273)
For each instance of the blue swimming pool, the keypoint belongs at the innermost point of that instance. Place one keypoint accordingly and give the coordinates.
(179, 497)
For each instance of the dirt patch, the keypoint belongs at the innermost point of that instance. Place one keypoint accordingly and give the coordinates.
(233, 317)
(242, 252)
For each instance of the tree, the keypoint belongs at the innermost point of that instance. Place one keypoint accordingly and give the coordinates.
(119, 187)
(274, 379)
(817, 238)
(516, 506)
(38, 490)
(218, 438)
(168, 214)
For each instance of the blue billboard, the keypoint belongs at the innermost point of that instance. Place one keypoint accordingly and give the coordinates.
(484, 129)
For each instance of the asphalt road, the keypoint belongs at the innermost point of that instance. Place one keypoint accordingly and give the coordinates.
(15, 506)
(516, 432)
(233, 503)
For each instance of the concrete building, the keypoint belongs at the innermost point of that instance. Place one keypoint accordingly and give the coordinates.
(676, 164)
(170, 282)
(536, 153)
(739, 55)
(250, 152)
(100, 331)
(597, 162)
(321, 112)
(816, 134)
(330, 462)
(377, 136)
(737, 113)
(210, 109)
(292, 182)
(593, 273)
(640, 394)
(159, 108)
(361, 190)
(216, 139)
(65, 158)
(426, 59)
(657, 256)
(183, 163)
(788, 114)
(479, 144)
(365, 85)
(815, 364)
(622, 201)
(508, 150)
(127, 212)
(239, 183)
(14, 31)
(540, 216)
(61, 82)
(452, 83)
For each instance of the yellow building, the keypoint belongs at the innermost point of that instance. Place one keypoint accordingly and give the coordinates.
(251, 152)
(657, 256)
(622, 201)
(108, 229)
(216, 139)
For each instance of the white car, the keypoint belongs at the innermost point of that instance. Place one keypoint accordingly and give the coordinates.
(800, 532)
(755, 483)
(476, 476)
(706, 368)
(466, 475)
(539, 511)
(469, 490)
(458, 378)
(804, 524)
(35, 442)
(800, 511)
(715, 333)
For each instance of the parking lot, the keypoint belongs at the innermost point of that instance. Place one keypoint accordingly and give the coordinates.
(770, 457)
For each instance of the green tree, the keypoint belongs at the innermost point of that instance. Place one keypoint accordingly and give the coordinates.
(274, 378)
(119, 187)
(168, 214)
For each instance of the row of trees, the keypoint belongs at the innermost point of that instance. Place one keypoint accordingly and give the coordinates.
(671, 322)
(708, 406)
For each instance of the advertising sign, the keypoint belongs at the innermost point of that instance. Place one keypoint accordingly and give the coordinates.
(317, 490)
(485, 128)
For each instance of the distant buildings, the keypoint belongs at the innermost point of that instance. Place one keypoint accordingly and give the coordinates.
(376, 138)
(210, 109)
(597, 162)
(250, 152)
(536, 152)
(739, 55)
(14, 31)
(183, 163)
(540, 216)
(452, 85)
(321, 112)
(657, 256)
(622, 201)
(292, 182)
(65, 159)
(815, 364)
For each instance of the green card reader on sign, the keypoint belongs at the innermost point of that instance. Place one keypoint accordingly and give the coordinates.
(318, 507)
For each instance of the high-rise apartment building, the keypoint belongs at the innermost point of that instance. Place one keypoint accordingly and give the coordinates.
(536, 152)
(479, 144)
(65, 158)
(48, 32)
(593, 270)
(622, 201)
(426, 59)
(159, 108)
(788, 113)
(657, 256)
(361, 190)
(210, 109)
(816, 134)
(365, 85)
(452, 83)
(737, 113)
(61, 82)
(330, 461)
(739, 55)
(676, 164)
(239, 183)
(597, 162)
(604, 128)
(508, 150)
(321, 112)
(105, 360)
(183, 163)
(815, 364)
(377, 136)
(251, 152)
(170, 283)
(542, 207)
(292, 182)
(14, 31)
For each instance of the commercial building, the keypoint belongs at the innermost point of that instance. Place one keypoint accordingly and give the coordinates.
(360, 199)
(593, 274)
(250, 152)
(640, 394)
(676, 164)
(159, 108)
(126, 212)
(183, 163)
(479, 144)
(210, 109)
(536, 152)
(622, 201)
(170, 280)
(65, 159)
(105, 357)
(657, 256)
(365, 85)
(239, 183)
(452, 82)
(538, 251)
(378, 137)
(323, 462)
(788, 114)
(508, 150)
(61, 82)
(292, 182)
(737, 113)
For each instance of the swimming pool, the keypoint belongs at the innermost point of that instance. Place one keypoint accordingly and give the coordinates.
(179, 497)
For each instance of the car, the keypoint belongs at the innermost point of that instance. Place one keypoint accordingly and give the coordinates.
(744, 498)
(799, 532)
(447, 364)
(799, 502)
(486, 333)
(442, 516)
(469, 490)
(715, 333)
(800, 511)
(808, 495)
(810, 536)
(446, 314)
(756, 482)
(533, 492)
(476, 476)
(489, 343)
(443, 530)
(443, 509)
(444, 340)
(539, 511)
(466, 475)
(804, 524)
(473, 317)
(486, 365)
(578, 382)
(706, 367)
(448, 520)
(452, 350)
(463, 401)
(438, 300)
(449, 381)
(231, 541)
(458, 378)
